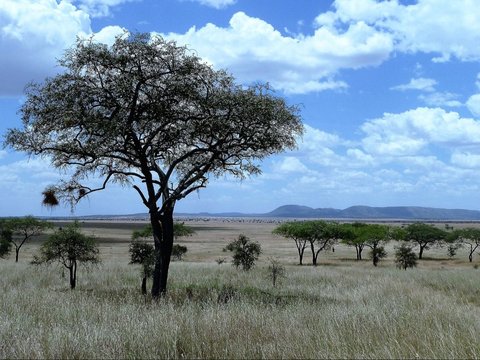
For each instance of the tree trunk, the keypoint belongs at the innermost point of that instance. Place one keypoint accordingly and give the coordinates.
(300, 255)
(162, 225)
(17, 250)
(314, 258)
(470, 256)
(73, 275)
(144, 285)
(420, 253)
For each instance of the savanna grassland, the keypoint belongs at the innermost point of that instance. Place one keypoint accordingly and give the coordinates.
(340, 309)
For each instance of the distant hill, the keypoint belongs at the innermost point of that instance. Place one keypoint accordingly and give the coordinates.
(305, 212)
(368, 212)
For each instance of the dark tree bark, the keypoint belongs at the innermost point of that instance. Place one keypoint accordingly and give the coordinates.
(144, 285)
(73, 275)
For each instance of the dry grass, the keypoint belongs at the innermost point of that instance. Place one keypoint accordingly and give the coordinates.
(341, 309)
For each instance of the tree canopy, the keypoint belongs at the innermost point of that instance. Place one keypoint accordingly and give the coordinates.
(68, 246)
(149, 114)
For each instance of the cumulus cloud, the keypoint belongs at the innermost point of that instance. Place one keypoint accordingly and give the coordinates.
(441, 99)
(99, 8)
(473, 104)
(409, 132)
(217, 4)
(254, 50)
(30, 40)
(444, 28)
(421, 84)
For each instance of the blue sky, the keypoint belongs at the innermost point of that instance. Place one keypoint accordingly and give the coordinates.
(389, 92)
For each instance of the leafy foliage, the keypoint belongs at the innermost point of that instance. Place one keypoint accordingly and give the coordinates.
(469, 237)
(149, 114)
(405, 257)
(142, 253)
(178, 251)
(275, 271)
(245, 252)
(423, 235)
(68, 246)
(20, 230)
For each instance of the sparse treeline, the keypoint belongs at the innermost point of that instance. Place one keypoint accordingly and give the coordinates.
(322, 235)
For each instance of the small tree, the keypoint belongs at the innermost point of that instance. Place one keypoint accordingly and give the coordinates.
(178, 251)
(275, 271)
(68, 246)
(405, 257)
(22, 230)
(377, 253)
(423, 235)
(5, 247)
(351, 235)
(142, 253)
(469, 237)
(294, 231)
(5, 240)
(245, 252)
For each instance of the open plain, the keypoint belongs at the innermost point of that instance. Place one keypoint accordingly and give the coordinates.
(342, 308)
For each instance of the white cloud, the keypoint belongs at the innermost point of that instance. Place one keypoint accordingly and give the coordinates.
(291, 165)
(99, 8)
(30, 39)
(217, 4)
(34, 33)
(465, 159)
(412, 131)
(473, 104)
(421, 84)
(441, 99)
(442, 27)
(253, 50)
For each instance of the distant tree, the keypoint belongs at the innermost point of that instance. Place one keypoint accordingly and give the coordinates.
(296, 232)
(405, 257)
(377, 253)
(423, 235)
(142, 253)
(178, 251)
(352, 235)
(5, 240)
(69, 247)
(245, 252)
(275, 271)
(147, 113)
(322, 236)
(469, 237)
(375, 237)
(24, 229)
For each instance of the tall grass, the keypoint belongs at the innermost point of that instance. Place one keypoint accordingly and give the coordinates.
(215, 311)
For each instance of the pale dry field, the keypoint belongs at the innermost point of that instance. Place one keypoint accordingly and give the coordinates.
(341, 309)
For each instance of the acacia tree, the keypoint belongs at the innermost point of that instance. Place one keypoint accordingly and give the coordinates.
(294, 231)
(149, 114)
(425, 236)
(469, 237)
(21, 230)
(352, 235)
(68, 246)
(321, 235)
(375, 237)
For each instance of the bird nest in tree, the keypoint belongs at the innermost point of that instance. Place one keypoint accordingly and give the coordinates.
(49, 198)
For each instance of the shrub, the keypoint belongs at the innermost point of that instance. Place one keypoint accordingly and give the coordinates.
(405, 257)
(245, 252)
(178, 251)
(142, 253)
(275, 271)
